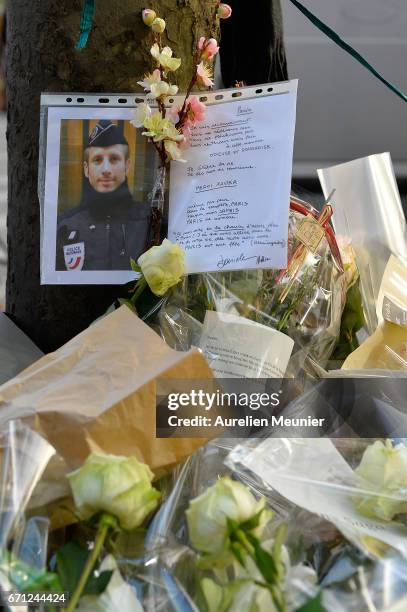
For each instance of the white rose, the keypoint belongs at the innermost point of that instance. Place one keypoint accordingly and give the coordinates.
(384, 471)
(163, 266)
(207, 514)
(117, 597)
(120, 486)
(244, 595)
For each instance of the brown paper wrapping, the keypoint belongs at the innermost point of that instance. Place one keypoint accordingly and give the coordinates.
(97, 393)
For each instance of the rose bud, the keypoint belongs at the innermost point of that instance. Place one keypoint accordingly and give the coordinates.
(163, 266)
(120, 486)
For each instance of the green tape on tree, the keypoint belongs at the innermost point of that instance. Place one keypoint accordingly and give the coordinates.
(88, 13)
(347, 47)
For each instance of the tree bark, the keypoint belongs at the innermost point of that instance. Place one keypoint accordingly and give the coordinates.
(41, 57)
(252, 48)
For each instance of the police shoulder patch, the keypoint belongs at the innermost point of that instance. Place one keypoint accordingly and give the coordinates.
(74, 256)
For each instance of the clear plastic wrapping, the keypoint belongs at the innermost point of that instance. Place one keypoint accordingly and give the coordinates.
(368, 212)
(173, 564)
(309, 314)
(356, 486)
(24, 541)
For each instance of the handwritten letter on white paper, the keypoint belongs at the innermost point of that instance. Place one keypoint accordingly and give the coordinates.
(229, 203)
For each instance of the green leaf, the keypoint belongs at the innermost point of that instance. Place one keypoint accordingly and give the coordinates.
(134, 266)
(352, 321)
(313, 605)
(239, 553)
(279, 540)
(232, 525)
(71, 560)
(218, 597)
(264, 560)
(252, 523)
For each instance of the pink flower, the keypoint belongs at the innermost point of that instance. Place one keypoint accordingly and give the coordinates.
(209, 47)
(204, 75)
(173, 113)
(195, 110)
(224, 11)
(186, 132)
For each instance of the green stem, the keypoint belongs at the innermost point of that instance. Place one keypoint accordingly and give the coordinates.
(140, 286)
(104, 525)
(274, 589)
(245, 542)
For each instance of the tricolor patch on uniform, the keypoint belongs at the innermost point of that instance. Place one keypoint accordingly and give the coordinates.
(74, 255)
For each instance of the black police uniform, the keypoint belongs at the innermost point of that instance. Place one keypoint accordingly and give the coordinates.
(106, 229)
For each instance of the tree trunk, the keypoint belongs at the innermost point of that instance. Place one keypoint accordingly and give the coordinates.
(41, 57)
(252, 48)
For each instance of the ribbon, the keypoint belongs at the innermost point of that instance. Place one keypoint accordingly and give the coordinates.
(88, 13)
(347, 47)
(298, 258)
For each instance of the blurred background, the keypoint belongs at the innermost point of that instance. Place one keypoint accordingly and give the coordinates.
(343, 111)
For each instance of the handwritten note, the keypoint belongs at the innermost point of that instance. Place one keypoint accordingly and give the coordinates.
(229, 203)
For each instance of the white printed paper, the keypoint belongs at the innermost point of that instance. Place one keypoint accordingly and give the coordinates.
(312, 474)
(229, 203)
(236, 347)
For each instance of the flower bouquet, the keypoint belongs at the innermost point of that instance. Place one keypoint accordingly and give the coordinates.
(305, 304)
(236, 530)
(103, 559)
(220, 523)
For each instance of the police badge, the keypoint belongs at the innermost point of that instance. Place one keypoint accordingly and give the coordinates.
(74, 255)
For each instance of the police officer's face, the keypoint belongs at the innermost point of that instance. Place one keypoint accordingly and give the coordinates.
(107, 167)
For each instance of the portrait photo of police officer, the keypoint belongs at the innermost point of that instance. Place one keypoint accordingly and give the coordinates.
(102, 223)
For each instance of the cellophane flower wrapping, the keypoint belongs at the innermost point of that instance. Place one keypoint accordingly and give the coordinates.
(24, 456)
(310, 314)
(171, 574)
(355, 487)
(352, 571)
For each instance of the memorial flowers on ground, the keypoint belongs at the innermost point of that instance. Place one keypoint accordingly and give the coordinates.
(118, 492)
(383, 473)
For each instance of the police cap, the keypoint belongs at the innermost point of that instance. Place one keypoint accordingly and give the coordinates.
(106, 134)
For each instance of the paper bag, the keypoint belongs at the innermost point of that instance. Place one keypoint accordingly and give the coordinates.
(98, 393)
